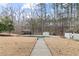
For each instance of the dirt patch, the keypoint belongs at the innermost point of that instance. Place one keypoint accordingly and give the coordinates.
(19, 46)
(62, 47)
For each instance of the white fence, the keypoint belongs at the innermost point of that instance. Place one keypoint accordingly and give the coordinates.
(68, 35)
(46, 33)
(71, 36)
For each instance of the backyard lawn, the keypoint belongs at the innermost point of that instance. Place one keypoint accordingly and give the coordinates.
(16, 46)
(60, 46)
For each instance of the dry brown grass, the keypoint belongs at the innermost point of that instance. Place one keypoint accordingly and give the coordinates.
(19, 46)
(60, 46)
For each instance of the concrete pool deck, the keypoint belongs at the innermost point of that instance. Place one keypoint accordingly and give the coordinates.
(40, 49)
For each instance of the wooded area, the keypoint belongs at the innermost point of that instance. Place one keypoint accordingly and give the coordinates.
(56, 18)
